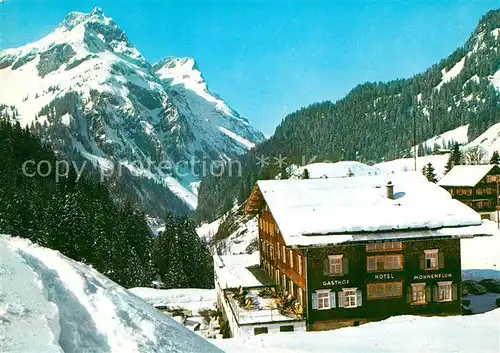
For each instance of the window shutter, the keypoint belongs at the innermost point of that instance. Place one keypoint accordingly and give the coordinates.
(434, 293)
(454, 292)
(341, 299)
(314, 300)
(441, 259)
(332, 300)
(326, 270)
(408, 294)
(359, 298)
(422, 261)
(345, 265)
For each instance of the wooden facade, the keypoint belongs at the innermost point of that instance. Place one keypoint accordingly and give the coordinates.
(285, 265)
(385, 280)
(481, 197)
(352, 284)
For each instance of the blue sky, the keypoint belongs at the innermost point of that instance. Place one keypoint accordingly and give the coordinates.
(268, 59)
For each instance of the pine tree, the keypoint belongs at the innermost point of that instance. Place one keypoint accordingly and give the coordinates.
(449, 165)
(80, 219)
(495, 158)
(429, 172)
(456, 158)
(284, 173)
(456, 155)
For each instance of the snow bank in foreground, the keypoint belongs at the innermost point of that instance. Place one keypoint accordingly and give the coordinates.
(476, 333)
(49, 303)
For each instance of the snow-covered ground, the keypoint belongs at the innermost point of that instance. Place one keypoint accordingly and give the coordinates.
(335, 170)
(194, 308)
(407, 164)
(442, 140)
(480, 256)
(476, 333)
(452, 73)
(243, 232)
(489, 140)
(192, 299)
(208, 230)
(49, 303)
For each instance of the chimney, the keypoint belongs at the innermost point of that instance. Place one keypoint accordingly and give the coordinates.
(390, 190)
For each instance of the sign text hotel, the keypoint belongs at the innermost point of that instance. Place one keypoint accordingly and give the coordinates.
(433, 276)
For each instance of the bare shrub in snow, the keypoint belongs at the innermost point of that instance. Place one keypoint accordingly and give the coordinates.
(475, 155)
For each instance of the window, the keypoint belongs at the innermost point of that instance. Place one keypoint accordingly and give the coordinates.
(350, 297)
(288, 328)
(384, 262)
(385, 290)
(283, 280)
(323, 299)
(393, 262)
(278, 247)
(283, 249)
(464, 191)
(290, 287)
(444, 291)
(387, 246)
(335, 264)
(492, 178)
(418, 293)
(290, 254)
(259, 330)
(431, 259)
(300, 264)
(300, 295)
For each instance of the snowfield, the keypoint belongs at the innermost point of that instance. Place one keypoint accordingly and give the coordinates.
(467, 334)
(49, 303)
(192, 299)
(407, 164)
(480, 256)
(335, 170)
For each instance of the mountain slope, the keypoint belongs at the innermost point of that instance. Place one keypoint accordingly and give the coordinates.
(50, 303)
(87, 90)
(189, 90)
(374, 122)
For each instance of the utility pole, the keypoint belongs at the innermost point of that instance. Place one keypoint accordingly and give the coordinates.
(414, 140)
(498, 210)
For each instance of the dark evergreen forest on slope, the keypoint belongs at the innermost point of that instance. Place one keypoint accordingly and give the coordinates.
(375, 120)
(79, 218)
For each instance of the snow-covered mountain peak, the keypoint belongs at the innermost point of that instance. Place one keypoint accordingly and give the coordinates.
(180, 69)
(182, 72)
(75, 18)
(184, 77)
(86, 86)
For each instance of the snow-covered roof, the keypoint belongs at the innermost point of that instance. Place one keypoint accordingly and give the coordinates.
(188, 298)
(465, 175)
(235, 271)
(332, 211)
